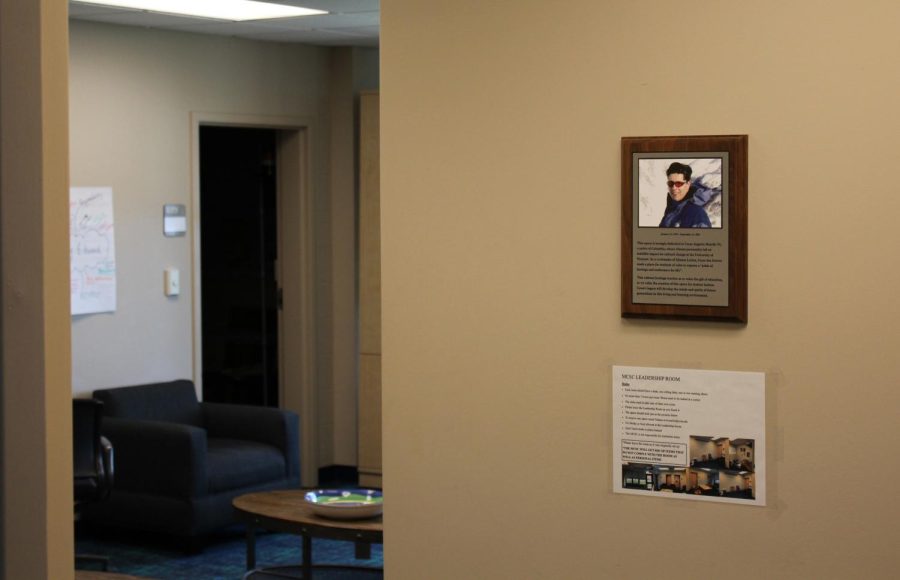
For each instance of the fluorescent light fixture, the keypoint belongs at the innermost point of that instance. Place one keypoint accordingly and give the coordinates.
(235, 10)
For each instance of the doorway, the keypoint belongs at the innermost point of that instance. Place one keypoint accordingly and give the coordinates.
(239, 253)
(295, 270)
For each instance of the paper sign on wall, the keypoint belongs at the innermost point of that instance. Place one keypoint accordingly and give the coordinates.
(689, 434)
(92, 251)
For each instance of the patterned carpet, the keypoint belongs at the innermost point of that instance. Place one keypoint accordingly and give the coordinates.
(222, 559)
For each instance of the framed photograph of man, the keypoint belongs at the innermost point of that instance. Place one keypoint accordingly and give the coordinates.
(684, 227)
(677, 192)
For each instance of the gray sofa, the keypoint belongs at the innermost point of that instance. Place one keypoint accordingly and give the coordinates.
(180, 462)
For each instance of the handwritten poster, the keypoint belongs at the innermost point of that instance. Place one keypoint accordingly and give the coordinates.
(92, 250)
(689, 434)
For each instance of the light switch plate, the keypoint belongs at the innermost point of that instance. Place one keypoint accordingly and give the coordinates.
(172, 282)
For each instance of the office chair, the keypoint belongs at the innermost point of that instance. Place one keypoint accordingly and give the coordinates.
(93, 463)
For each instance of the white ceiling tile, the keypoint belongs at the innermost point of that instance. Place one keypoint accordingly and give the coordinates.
(301, 23)
(340, 6)
(316, 37)
(349, 23)
(76, 10)
(139, 18)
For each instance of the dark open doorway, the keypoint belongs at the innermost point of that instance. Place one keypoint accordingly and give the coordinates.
(239, 249)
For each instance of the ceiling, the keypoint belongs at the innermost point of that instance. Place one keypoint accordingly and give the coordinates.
(349, 22)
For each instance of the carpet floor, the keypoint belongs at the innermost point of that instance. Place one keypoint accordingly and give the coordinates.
(223, 559)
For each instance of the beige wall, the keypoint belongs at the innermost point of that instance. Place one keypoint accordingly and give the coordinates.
(35, 401)
(702, 477)
(351, 70)
(701, 448)
(728, 480)
(132, 94)
(501, 240)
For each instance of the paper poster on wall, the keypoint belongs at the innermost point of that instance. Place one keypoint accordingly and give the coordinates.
(92, 251)
(689, 434)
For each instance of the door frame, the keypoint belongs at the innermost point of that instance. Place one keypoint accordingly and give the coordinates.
(294, 271)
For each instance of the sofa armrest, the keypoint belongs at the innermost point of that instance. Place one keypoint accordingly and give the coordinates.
(275, 427)
(158, 457)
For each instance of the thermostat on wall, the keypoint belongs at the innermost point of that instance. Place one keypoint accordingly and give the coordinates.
(174, 219)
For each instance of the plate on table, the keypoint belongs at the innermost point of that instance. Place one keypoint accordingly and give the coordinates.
(346, 504)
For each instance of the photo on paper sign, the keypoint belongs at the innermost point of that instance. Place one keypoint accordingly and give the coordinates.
(719, 467)
(680, 192)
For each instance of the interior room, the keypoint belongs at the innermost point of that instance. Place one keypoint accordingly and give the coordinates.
(161, 107)
(501, 222)
(132, 93)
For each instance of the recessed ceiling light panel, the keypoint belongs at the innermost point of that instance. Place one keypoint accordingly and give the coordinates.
(236, 10)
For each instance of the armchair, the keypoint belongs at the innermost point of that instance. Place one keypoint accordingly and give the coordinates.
(180, 462)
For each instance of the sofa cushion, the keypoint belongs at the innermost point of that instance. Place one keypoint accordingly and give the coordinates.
(233, 463)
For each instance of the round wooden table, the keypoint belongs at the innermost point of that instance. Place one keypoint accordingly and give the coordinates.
(287, 511)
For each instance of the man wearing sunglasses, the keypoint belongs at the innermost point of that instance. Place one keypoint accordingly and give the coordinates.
(684, 204)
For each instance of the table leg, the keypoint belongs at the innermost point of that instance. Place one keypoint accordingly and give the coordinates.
(251, 546)
(363, 551)
(307, 557)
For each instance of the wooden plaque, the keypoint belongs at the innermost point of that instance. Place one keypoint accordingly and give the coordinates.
(684, 227)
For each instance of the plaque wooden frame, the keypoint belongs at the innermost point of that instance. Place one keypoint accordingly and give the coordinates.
(732, 149)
